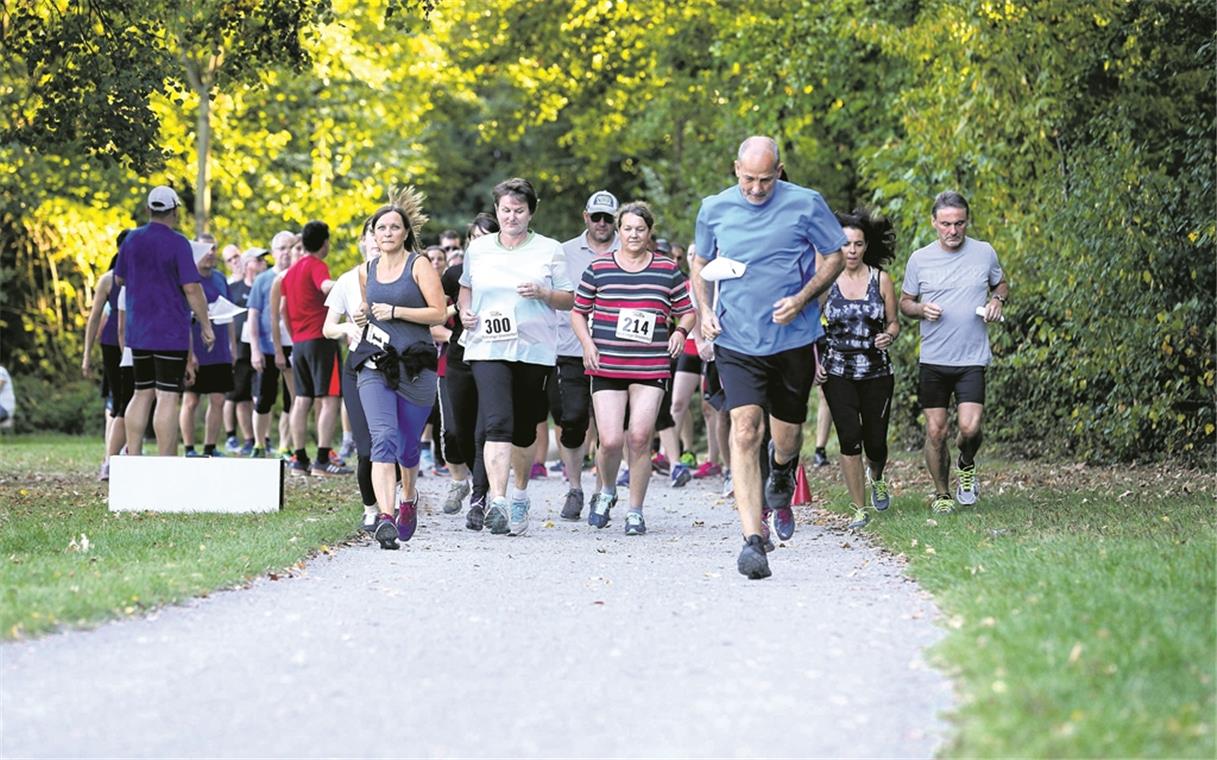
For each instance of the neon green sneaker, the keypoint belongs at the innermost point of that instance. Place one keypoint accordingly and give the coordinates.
(688, 459)
(969, 486)
(943, 504)
(861, 517)
(880, 498)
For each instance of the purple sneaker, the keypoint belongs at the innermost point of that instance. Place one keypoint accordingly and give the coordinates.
(407, 520)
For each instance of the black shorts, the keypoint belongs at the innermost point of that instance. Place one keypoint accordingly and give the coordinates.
(663, 418)
(119, 381)
(779, 383)
(242, 376)
(938, 382)
(624, 383)
(163, 370)
(689, 363)
(211, 378)
(315, 365)
(570, 400)
(711, 386)
(512, 399)
(268, 382)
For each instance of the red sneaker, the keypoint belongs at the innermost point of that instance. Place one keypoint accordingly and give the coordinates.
(707, 470)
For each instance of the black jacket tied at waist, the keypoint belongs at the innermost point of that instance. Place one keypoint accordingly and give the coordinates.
(413, 360)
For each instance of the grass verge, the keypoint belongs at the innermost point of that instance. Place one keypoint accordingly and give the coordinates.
(1080, 605)
(66, 560)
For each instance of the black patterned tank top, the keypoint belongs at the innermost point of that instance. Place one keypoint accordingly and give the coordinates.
(852, 327)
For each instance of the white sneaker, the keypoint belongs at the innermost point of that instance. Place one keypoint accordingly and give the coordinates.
(457, 491)
(728, 485)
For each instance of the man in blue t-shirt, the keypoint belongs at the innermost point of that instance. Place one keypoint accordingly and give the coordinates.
(764, 324)
(261, 343)
(156, 267)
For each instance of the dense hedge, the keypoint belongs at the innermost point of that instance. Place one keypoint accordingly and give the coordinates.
(65, 407)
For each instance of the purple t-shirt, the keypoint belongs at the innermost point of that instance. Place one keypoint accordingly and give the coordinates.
(220, 353)
(154, 263)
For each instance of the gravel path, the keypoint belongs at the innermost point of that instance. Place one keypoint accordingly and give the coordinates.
(565, 642)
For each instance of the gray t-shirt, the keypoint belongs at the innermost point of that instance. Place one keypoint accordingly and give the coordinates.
(958, 281)
(578, 257)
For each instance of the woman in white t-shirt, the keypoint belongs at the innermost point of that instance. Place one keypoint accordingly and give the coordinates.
(512, 284)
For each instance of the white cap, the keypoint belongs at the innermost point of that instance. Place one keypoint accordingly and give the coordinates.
(253, 254)
(602, 201)
(163, 199)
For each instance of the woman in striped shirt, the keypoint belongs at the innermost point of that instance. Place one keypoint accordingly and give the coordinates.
(623, 307)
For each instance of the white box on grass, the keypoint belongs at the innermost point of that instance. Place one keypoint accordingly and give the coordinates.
(196, 484)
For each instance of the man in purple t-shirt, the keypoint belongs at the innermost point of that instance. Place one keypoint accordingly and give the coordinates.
(163, 287)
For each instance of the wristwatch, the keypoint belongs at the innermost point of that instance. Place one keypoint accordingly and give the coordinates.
(1000, 298)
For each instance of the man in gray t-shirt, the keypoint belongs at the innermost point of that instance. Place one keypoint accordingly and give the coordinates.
(955, 286)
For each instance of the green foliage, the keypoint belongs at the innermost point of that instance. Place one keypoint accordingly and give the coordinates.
(55, 406)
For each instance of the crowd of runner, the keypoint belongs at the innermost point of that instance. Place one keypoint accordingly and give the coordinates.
(454, 357)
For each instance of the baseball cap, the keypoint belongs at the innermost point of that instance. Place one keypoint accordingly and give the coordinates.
(163, 198)
(253, 254)
(663, 246)
(602, 201)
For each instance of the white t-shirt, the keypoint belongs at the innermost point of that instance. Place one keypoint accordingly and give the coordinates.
(8, 399)
(345, 297)
(492, 273)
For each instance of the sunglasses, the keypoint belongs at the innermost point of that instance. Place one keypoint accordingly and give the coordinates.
(602, 218)
(451, 248)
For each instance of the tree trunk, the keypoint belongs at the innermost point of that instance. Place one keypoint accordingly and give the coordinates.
(202, 185)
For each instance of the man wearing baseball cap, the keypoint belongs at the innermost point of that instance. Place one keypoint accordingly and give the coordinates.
(163, 287)
(252, 263)
(570, 396)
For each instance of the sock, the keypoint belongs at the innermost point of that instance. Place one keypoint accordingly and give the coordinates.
(519, 494)
(348, 437)
(249, 442)
(209, 449)
(821, 451)
(230, 434)
(189, 448)
(635, 509)
(609, 491)
(302, 456)
(962, 464)
(323, 454)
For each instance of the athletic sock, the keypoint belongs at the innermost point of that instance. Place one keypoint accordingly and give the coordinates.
(209, 449)
(964, 465)
(323, 454)
(348, 437)
(302, 457)
(519, 494)
(189, 449)
(249, 442)
(230, 434)
(821, 451)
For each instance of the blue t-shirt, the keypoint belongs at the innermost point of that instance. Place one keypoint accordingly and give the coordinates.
(778, 241)
(154, 263)
(214, 286)
(259, 298)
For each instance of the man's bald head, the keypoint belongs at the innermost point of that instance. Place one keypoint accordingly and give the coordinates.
(758, 166)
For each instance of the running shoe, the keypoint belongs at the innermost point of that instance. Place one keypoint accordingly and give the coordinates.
(192, 454)
(257, 453)
(426, 459)
(660, 464)
(407, 520)
(538, 471)
(779, 487)
(441, 470)
(688, 459)
(707, 470)
(215, 453)
(681, 476)
(728, 485)
(369, 519)
(623, 478)
(766, 518)
(104, 473)
(285, 453)
(943, 504)
(347, 450)
(496, 516)
(336, 458)
(752, 561)
(598, 516)
(880, 498)
(385, 532)
(969, 486)
(247, 449)
(296, 467)
(329, 468)
(820, 459)
(861, 517)
(517, 523)
(232, 444)
(457, 491)
(475, 518)
(573, 508)
(634, 524)
(558, 466)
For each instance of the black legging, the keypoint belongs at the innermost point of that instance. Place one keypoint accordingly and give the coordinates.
(462, 433)
(860, 412)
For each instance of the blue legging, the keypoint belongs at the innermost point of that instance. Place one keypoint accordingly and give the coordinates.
(394, 423)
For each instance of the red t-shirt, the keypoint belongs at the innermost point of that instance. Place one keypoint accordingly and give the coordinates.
(303, 300)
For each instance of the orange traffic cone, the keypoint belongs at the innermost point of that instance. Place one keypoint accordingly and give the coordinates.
(802, 492)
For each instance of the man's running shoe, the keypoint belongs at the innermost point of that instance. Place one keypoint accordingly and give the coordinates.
(247, 449)
(861, 518)
(880, 498)
(329, 468)
(104, 473)
(214, 453)
(623, 477)
(558, 466)
(820, 459)
(336, 458)
(942, 504)
(681, 476)
(347, 449)
(285, 453)
(296, 467)
(257, 453)
(475, 518)
(457, 491)
(538, 471)
(496, 516)
(752, 561)
(660, 464)
(192, 454)
(441, 470)
(728, 485)
(707, 470)
(969, 486)
(517, 521)
(779, 487)
(766, 518)
(598, 516)
(368, 525)
(688, 459)
(385, 532)
(407, 520)
(232, 444)
(634, 524)
(573, 507)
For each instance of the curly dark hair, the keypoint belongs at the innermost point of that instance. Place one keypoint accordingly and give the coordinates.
(876, 231)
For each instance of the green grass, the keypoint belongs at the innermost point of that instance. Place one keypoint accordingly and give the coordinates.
(1079, 605)
(49, 500)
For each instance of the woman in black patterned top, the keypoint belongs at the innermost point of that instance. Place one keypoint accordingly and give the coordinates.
(861, 311)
